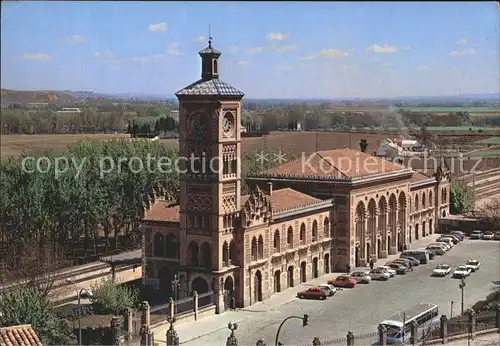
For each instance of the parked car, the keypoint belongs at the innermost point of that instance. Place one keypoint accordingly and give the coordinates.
(388, 269)
(313, 293)
(379, 274)
(446, 240)
(488, 235)
(461, 272)
(361, 277)
(344, 281)
(473, 265)
(403, 261)
(444, 246)
(414, 262)
(422, 255)
(436, 249)
(497, 235)
(461, 235)
(442, 270)
(398, 267)
(454, 237)
(329, 288)
(477, 234)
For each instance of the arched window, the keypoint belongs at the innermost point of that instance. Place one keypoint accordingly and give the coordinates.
(430, 199)
(171, 246)
(225, 254)
(326, 227)
(206, 252)
(423, 201)
(315, 231)
(417, 206)
(215, 67)
(260, 248)
(302, 234)
(289, 237)
(232, 252)
(159, 245)
(193, 251)
(276, 241)
(253, 250)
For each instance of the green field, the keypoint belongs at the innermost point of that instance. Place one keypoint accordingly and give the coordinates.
(489, 141)
(486, 153)
(454, 109)
(462, 128)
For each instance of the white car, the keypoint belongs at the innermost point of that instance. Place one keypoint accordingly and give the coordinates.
(473, 265)
(462, 271)
(443, 246)
(488, 235)
(442, 270)
(332, 288)
(388, 269)
(477, 234)
(379, 274)
(361, 277)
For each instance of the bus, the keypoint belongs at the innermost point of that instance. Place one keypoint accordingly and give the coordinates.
(399, 325)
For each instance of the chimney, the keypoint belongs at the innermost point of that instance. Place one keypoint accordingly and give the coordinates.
(269, 188)
(363, 144)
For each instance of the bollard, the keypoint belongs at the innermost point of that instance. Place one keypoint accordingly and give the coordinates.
(127, 320)
(146, 314)
(443, 329)
(382, 335)
(195, 304)
(172, 337)
(472, 323)
(143, 335)
(350, 338)
(231, 340)
(413, 331)
(316, 341)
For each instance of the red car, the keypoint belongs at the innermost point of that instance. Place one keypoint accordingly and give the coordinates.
(343, 281)
(313, 293)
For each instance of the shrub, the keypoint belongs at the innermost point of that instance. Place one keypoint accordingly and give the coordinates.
(111, 298)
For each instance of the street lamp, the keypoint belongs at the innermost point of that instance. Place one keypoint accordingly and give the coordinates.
(451, 309)
(79, 295)
(175, 290)
(304, 319)
(462, 285)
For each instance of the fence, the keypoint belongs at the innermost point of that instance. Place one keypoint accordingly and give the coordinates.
(182, 308)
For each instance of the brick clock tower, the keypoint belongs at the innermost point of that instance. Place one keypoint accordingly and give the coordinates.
(210, 178)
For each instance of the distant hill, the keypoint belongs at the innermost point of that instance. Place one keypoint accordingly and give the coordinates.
(44, 96)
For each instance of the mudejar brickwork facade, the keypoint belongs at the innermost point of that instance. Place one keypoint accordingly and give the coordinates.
(303, 219)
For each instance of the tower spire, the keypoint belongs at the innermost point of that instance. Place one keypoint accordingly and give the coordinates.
(209, 36)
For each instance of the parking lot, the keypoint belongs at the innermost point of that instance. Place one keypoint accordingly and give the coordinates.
(362, 308)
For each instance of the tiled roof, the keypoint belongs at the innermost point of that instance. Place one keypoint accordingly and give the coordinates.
(209, 50)
(163, 211)
(334, 164)
(22, 335)
(417, 176)
(212, 87)
(286, 199)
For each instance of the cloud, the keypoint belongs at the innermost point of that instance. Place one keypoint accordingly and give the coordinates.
(285, 48)
(462, 41)
(74, 39)
(330, 53)
(37, 56)
(199, 39)
(234, 50)
(277, 36)
(421, 67)
(382, 49)
(242, 63)
(158, 27)
(108, 57)
(255, 50)
(173, 49)
(468, 51)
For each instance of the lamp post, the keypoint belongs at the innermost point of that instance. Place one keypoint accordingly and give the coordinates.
(304, 319)
(175, 289)
(451, 310)
(79, 296)
(462, 285)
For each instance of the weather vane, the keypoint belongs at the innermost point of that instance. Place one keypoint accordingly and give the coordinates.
(209, 36)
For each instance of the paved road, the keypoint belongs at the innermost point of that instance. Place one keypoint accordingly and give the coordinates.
(359, 309)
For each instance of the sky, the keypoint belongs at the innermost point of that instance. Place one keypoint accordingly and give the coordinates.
(269, 49)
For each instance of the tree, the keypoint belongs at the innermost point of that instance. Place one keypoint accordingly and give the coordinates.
(111, 298)
(27, 306)
(461, 198)
(490, 211)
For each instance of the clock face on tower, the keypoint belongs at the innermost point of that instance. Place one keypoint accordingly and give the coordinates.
(227, 122)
